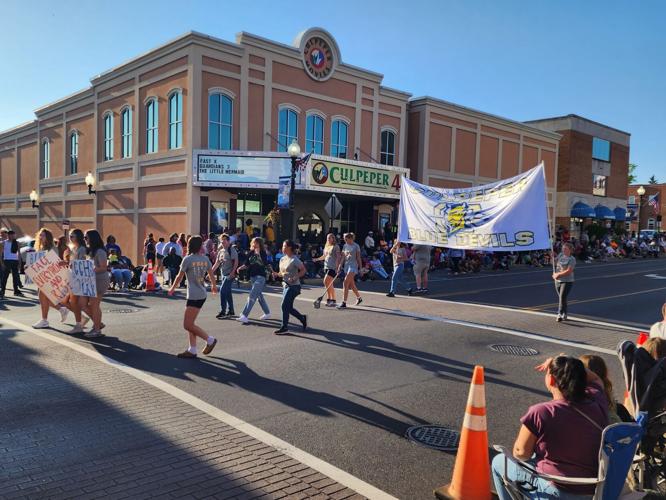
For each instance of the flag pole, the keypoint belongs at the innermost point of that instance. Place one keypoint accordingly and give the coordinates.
(550, 224)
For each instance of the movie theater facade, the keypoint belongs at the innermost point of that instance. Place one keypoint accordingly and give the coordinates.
(192, 137)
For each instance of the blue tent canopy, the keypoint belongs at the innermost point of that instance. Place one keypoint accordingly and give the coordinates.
(582, 210)
(620, 214)
(604, 212)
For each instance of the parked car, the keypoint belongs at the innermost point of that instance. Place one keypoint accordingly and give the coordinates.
(26, 245)
(647, 234)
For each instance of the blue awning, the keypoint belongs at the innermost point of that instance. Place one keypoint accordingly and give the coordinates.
(604, 212)
(620, 214)
(582, 210)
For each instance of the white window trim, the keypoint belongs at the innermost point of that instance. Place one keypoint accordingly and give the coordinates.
(315, 112)
(126, 107)
(340, 118)
(389, 128)
(147, 101)
(394, 154)
(105, 115)
(72, 133)
(150, 98)
(172, 93)
(292, 107)
(222, 90)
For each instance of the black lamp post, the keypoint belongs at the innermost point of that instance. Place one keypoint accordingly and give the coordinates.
(294, 152)
(34, 198)
(90, 182)
(640, 192)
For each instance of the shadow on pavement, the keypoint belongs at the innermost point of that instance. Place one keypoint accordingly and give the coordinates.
(59, 438)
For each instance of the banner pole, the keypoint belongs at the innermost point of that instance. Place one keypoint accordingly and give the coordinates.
(550, 224)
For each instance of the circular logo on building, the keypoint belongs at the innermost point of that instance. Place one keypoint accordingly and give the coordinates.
(320, 173)
(318, 58)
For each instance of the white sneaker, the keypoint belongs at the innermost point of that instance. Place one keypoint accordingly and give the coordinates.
(78, 328)
(243, 319)
(42, 323)
(93, 334)
(264, 317)
(63, 314)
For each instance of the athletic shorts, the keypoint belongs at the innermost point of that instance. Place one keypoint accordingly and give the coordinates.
(196, 303)
(351, 269)
(331, 273)
(160, 256)
(419, 267)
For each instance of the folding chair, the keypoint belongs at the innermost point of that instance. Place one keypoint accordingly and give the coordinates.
(618, 447)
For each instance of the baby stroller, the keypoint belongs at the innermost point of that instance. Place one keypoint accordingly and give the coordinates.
(135, 282)
(645, 380)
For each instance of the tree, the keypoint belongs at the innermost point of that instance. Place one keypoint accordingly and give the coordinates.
(631, 175)
(653, 180)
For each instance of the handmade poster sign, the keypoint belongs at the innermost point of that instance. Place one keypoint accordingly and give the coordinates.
(83, 278)
(50, 276)
(30, 259)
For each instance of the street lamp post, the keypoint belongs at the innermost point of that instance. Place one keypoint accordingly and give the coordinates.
(34, 198)
(640, 192)
(294, 152)
(90, 182)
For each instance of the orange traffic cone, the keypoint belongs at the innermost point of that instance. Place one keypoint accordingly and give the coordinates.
(471, 473)
(150, 278)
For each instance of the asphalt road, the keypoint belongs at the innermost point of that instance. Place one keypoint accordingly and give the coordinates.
(347, 390)
(616, 291)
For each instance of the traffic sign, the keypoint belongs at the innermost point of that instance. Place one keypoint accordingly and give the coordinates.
(333, 207)
(65, 225)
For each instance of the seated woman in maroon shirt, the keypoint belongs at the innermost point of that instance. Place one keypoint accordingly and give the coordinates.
(563, 434)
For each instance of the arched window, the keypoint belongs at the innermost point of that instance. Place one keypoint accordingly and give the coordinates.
(151, 126)
(176, 120)
(220, 121)
(74, 153)
(388, 148)
(314, 135)
(46, 159)
(126, 120)
(339, 139)
(108, 137)
(287, 128)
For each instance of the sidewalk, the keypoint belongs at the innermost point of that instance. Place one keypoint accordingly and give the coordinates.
(77, 427)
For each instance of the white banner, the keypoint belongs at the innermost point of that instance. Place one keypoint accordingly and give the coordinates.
(509, 215)
(50, 276)
(30, 259)
(83, 278)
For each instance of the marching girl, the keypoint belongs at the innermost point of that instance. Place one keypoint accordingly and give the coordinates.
(351, 263)
(44, 243)
(77, 251)
(256, 266)
(195, 267)
(331, 258)
(91, 305)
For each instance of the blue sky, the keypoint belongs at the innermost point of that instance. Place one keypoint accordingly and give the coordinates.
(527, 59)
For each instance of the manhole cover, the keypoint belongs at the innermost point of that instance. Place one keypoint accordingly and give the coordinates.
(434, 436)
(514, 350)
(120, 311)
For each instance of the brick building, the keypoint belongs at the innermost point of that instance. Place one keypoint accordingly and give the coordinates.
(192, 137)
(641, 213)
(593, 163)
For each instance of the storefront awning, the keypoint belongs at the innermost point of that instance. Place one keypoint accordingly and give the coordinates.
(604, 212)
(620, 214)
(582, 210)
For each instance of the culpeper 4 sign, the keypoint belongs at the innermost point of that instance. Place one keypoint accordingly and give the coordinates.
(354, 178)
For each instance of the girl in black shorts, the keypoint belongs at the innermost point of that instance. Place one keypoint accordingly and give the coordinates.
(331, 258)
(195, 267)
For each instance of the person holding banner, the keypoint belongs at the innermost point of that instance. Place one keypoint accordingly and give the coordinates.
(77, 251)
(399, 253)
(195, 267)
(331, 258)
(44, 243)
(351, 263)
(564, 279)
(421, 255)
(91, 305)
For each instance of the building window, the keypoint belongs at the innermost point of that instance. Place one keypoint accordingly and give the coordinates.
(151, 126)
(126, 120)
(176, 120)
(220, 122)
(314, 135)
(651, 224)
(632, 200)
(599, 185)
(74, 153)
(287, 128)
(339, 139)
(46, 159)
(600, 149)
(108, 137)
(387, 156)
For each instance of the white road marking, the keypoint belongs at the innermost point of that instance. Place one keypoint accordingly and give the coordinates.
(655, 276)
(338, 475)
